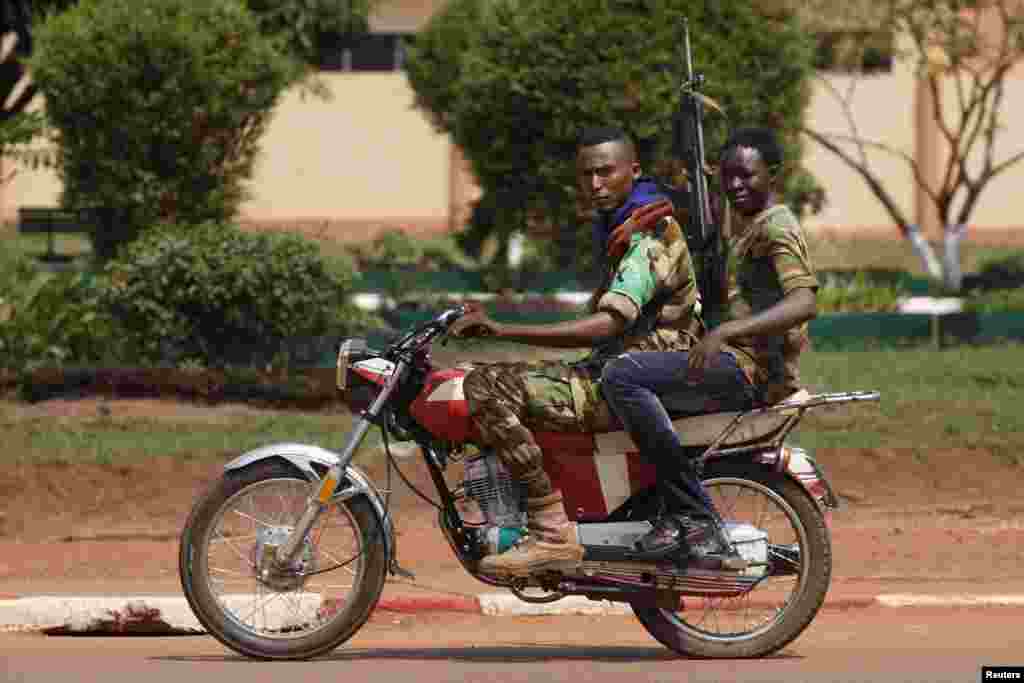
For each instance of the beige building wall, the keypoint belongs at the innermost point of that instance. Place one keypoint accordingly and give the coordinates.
(360, 162)
(366, 160)
(882, 107)
(366, 154)
(27, 187)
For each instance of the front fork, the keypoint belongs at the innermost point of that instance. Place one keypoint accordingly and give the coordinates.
(289, 550)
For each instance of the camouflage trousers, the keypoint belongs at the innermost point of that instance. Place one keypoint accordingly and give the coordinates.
(508, 400)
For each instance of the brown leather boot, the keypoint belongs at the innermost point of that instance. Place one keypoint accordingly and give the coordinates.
(550, 544)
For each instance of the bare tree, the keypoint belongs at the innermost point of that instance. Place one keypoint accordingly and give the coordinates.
(961, 49)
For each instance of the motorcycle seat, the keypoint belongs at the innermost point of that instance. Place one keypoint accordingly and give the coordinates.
(702, 429)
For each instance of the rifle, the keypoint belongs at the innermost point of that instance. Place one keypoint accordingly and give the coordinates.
(688, 145)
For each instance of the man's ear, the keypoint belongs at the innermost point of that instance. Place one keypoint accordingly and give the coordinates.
(637, 171)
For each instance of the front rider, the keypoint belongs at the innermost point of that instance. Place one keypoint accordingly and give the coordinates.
(647, 301)
(751, 357)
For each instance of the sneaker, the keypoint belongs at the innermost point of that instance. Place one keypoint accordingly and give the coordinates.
(665, 537)
(691, 539)
(705, 549)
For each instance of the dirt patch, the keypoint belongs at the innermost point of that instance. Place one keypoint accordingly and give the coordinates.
(945, 515)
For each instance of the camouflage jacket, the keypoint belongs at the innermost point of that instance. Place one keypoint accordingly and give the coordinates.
(766, 259)
(654, 289)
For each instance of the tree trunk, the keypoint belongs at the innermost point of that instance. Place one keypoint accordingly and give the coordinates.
(925, 252)
(947, 270)
(952, 273)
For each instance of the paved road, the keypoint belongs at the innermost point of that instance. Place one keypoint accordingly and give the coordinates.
(872, 644)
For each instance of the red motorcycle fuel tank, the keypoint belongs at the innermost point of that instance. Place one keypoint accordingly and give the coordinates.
(441, 407)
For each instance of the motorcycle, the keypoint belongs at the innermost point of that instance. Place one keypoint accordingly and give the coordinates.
(286, 555)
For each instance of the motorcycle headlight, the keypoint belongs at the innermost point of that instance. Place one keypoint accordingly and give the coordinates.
(348, 348)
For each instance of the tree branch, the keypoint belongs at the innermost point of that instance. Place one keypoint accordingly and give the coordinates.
(865, 173)
(847, 108)
(1002, 166)
(911, 162)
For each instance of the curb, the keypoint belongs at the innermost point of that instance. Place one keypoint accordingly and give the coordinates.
(169, 615)
(961, 600)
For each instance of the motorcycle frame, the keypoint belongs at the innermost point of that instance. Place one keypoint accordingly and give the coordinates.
(342, 481)
(773, 444)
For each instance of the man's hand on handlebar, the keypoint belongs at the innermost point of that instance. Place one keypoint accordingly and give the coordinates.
(475, 323)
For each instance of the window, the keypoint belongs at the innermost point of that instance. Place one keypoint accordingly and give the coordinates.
(368, 52)
(862, 52)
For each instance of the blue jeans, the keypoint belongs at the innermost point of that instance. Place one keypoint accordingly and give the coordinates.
(637, 387)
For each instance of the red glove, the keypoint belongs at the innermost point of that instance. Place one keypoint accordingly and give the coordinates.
(641, 220)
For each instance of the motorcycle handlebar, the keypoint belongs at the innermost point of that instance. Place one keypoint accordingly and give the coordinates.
(451, 315)
(428, 331)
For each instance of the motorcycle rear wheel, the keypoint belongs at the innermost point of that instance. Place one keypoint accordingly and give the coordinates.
(706, 627)
(310, 609)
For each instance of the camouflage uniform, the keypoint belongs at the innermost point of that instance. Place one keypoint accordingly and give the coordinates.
(766, 259)
(508, 400)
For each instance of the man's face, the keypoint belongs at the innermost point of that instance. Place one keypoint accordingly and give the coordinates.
(747, 181)
(606, 173)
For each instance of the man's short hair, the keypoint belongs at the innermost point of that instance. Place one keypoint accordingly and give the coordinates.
(597, 135)
(764, 140)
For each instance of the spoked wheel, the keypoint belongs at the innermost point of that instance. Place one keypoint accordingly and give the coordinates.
(791, 585)
(250, 603)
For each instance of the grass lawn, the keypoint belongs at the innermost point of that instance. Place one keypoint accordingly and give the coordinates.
(97, 439)
(955, 398)
(962, 398)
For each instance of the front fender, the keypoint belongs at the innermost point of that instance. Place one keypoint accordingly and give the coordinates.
(303, 456)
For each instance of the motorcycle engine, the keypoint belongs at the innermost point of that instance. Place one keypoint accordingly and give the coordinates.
(501, 500)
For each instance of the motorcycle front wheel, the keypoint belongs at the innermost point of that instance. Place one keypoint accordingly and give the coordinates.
(249, 602)
(791, 588)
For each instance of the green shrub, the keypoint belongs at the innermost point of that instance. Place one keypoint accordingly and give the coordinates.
(995, 301)
(57, 319)
(1006, 272)
(159, 106)
(214, 295)
(393, 249)
(397, 249)
(856, 292)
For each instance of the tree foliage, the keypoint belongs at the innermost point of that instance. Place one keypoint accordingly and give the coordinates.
(303, 23)
(216, 295)
(299, 25)
(158, 107)
(514, 81)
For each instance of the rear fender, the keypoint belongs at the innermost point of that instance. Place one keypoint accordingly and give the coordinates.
(354, 483)
(801, 467)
